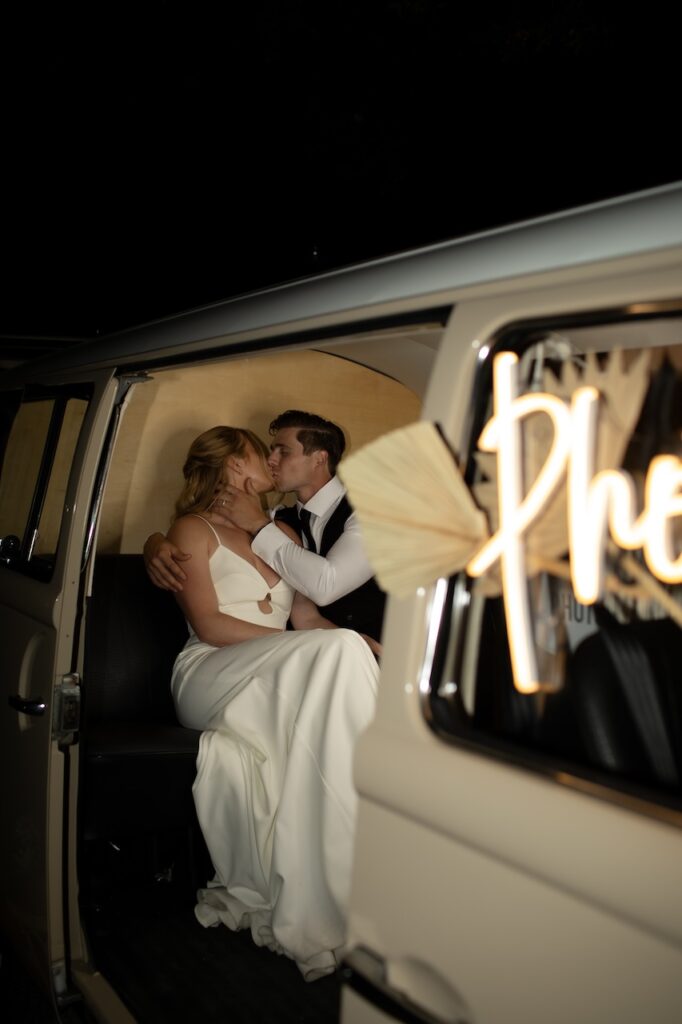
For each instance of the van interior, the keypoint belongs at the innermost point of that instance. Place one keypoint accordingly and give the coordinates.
(141, 856)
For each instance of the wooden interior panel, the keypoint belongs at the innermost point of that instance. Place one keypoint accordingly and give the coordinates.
(165, 414)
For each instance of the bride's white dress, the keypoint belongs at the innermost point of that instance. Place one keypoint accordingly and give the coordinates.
(274, 791)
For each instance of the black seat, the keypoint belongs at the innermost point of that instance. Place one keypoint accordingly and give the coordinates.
(624, 687)
(137, 764)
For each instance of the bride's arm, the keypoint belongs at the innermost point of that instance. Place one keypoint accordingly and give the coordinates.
(198, 598)
(305, 615)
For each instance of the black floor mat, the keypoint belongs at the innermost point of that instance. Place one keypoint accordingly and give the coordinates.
(168, 968)
(21, 1000)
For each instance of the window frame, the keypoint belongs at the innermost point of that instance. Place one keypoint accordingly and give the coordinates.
(442, 706)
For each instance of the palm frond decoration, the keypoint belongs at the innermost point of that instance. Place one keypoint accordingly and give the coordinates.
(418, 518)
(622, 388)
(421, 521)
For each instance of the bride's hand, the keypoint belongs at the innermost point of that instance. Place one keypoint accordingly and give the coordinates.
(374, 645)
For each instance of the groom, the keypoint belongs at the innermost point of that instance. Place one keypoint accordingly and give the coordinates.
(332, 568)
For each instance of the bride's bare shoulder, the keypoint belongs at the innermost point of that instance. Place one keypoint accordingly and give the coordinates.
(192, 529)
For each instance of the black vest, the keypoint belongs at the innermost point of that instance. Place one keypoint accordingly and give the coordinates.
(361, 609)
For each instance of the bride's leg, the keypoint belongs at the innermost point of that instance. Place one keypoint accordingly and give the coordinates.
(315, 824)
(274, 790)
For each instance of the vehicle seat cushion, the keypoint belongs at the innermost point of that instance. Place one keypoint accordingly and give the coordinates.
(134, 633)
(141, 762)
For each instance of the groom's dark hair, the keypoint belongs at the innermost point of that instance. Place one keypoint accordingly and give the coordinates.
(314, 433)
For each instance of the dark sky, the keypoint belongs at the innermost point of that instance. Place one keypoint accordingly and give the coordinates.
(157, 156)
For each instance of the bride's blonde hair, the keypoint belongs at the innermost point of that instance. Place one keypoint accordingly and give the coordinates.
(205, 464)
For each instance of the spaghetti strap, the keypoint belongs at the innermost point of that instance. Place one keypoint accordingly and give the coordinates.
(210, 526)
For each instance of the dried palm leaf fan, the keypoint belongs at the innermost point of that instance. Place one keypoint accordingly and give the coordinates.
(418, 518)
(420, 521)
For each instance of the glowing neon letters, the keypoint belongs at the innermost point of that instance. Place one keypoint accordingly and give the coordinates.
(595, 502)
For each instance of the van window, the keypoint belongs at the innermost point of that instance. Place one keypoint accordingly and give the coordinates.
(607, 707)
(40, 442)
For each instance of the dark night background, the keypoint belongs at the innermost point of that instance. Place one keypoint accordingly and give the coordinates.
(157, 156)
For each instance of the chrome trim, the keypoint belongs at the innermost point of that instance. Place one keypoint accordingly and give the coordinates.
(433, 617)
(35, 708)
(365, 972)
(125, 383)
(99, 488)
(617, 796)
(32, 544)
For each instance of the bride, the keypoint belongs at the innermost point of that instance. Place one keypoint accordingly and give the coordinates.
(280, 713)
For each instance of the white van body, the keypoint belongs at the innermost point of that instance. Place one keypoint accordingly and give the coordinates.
(489, 886)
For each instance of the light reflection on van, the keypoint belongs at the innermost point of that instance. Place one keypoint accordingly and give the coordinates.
(517, 855)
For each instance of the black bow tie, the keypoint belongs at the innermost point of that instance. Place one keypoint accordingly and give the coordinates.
(304, 517)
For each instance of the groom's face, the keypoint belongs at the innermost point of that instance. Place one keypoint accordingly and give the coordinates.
(291, 468)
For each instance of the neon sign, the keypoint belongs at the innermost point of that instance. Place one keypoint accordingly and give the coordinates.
(598, 504)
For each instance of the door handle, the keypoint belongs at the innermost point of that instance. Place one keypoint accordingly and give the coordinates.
(405, 989)
(27, 707)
